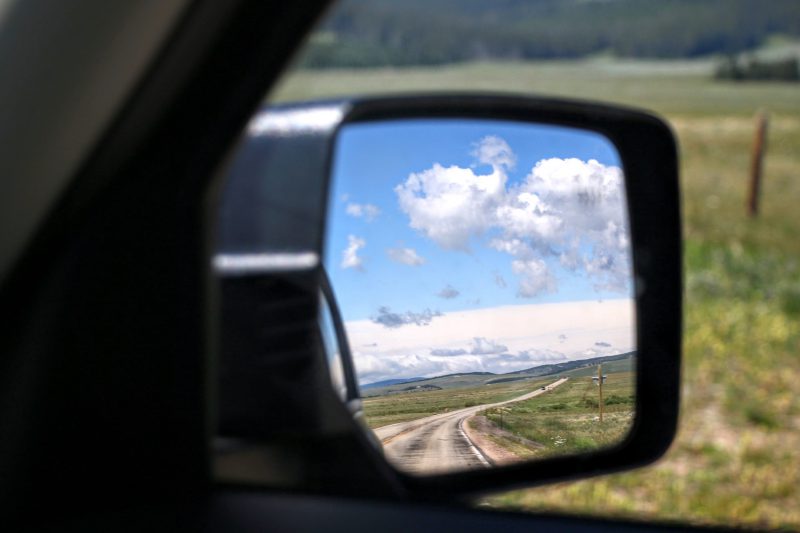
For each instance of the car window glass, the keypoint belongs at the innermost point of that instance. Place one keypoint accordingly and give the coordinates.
(720, 72)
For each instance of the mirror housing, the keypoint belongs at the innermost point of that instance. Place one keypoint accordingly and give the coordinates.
(271, 229)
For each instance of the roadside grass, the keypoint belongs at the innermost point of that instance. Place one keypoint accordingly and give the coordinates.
(735, 460)
(565, 421)
(665, 86)
(402, 407)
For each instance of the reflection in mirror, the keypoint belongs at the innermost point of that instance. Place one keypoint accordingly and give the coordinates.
(330, 344)
(483, 273)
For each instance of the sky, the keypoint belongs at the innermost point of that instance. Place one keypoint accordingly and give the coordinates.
(438, 227)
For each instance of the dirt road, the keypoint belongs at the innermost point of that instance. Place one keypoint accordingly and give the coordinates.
(437, 443)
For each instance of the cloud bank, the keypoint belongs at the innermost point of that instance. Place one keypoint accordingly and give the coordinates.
(498, 339)
(444, 352)
(484, 346)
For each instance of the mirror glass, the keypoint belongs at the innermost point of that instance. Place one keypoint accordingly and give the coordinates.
(330, 345)
(483, 272)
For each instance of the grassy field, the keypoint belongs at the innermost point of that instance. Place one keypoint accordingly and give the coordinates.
(566, 420)
(674, 87)
(735, 459)
(402, 407)
(614, 363)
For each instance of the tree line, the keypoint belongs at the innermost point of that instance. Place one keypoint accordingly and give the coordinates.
(370, 33)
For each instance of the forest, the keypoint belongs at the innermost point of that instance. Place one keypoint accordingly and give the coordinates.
(373, 33)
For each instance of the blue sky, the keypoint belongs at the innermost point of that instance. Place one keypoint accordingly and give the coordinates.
(410, 256)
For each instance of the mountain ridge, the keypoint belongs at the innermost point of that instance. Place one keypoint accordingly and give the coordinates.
(458, 379)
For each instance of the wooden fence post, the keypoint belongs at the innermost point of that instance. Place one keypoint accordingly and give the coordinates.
(757, 163)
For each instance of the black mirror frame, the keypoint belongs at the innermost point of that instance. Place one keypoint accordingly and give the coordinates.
(649, 158)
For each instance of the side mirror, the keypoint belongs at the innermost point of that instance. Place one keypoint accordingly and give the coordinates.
(507, 272)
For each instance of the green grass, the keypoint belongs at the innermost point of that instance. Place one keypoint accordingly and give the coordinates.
(384, 410)
(664, 86)
(566, 421)
(478, 379)
(736, 458)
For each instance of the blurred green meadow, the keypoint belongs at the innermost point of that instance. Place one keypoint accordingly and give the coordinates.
(736, 459)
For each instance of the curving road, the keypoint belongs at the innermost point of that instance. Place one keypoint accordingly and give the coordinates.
(437, 443)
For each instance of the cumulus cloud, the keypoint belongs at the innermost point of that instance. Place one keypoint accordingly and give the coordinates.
(494, 151)
(449, 205)
(484, 346)
(565, 212)
(448, 353)
(389, 319)
(571, 211)
(406, 256)
(350, 258)
(534, 277)
(448, 292)
(368, 212)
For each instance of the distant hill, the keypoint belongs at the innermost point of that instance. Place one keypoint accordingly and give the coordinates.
(388, 382)
(557, 368)
(578, 368)
(371, 33)
(609, 367)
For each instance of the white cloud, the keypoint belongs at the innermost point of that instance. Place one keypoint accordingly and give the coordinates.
(350, 258)
(448, 292)
(513, 337)
(484, 346)
(535, 277)
(508, 362)
(566, 211)
(450, 205)
(545, 356)
(494, 151)
(406, 256)
(371, 367)
(527, 214)
(445, 352)
(367, 211)
(389, 319)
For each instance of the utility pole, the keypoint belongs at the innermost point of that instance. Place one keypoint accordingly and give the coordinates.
(600, 379)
